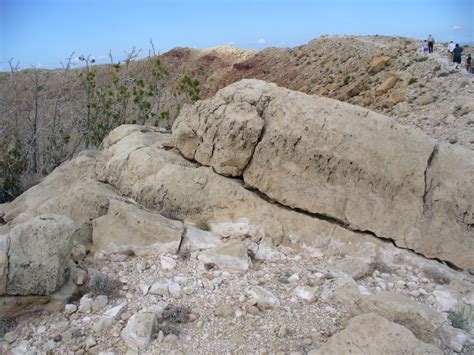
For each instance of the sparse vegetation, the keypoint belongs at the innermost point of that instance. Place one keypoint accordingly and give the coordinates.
(178, 314)
(421, 59)
(102, 284)
(347, 79)
(173, 315)
(412, 81)
(190, 87)
(461, 317)
(6, 324)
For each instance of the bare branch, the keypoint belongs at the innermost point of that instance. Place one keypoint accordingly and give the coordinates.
(152, 47)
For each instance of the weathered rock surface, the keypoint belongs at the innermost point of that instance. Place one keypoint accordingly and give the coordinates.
(229, 143)
(231, 256)
(372, 334)
(420, 319)
(137, 333)
(60, 193)
(341, 161)
(164, 181)
(152, 233)
(38, 251)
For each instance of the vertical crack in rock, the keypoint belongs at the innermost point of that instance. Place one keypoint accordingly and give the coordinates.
(428, 166)
(261, 107)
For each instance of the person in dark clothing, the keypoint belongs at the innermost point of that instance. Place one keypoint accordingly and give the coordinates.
(468, 63)
(430, 43)
(457, 55)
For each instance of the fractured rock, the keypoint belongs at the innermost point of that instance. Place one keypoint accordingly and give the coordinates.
(127, 228)
(38, 254)
(232, 256)
(197, 239)
(139, 329)
(331, 158)
(262, 298)
(372, 334)
(419, 318)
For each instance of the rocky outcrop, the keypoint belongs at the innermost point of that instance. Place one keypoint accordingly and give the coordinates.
(152, 233)
(70, 190)
(35, 255)
(420, 319)
(341, 162)
(162, 180)
(372, 334)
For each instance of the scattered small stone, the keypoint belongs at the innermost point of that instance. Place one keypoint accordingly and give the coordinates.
(167, 263)
(174, 289)
(10, 337)
(224, 311)
(85, 304)
(99, 303)
(57, 338)
(70, 308)
(90, 342)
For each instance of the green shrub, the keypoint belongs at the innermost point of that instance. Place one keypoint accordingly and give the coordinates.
(461, 317)
(412, 81)
(102, 284)
(178, 314)
(421, 59)
(6, 324)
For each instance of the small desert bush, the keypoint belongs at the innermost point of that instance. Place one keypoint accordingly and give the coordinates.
(6, 324)
(178, 314)
(172, 315)
(421, 59)
(102, 284)
(412, 81)
(461, 317)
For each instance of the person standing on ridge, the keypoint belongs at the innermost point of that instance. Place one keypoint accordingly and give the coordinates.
(468, 63)
(430, 43)
(457, 55)
(451, 47)
(424, 46)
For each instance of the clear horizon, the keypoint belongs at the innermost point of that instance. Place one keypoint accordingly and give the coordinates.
(43, 33)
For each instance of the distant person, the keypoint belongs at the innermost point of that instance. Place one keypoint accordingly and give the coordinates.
(468, 63)
(457, 55)
(424, 46)
(451, 47)
(430, 43)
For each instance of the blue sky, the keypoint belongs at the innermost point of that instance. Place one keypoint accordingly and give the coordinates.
(44, 32)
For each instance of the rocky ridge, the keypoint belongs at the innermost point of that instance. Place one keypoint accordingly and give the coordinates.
(224, 264)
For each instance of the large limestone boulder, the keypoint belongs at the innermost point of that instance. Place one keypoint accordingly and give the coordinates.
(161, 179)
(344, 162)
(127, 228)
(227, 145)
(372, 334)
(70, 190)
(38, 251)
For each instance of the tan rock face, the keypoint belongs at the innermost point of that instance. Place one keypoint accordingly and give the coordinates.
(232, 256)
(38, 254)
(341, 161)
(152, 233)
(60, 193)
(229, 143)
(164, 181)
(372, 334)
(420, 319)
